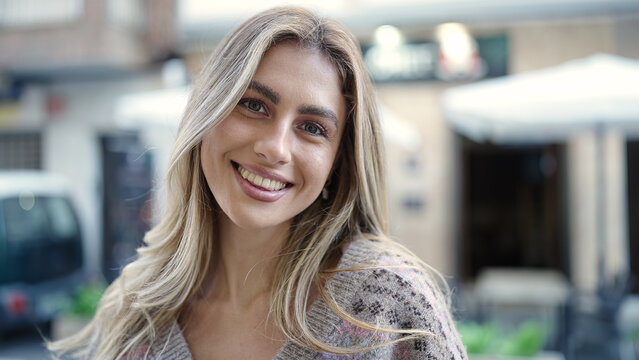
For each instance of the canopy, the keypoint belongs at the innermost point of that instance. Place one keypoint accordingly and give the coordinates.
(549, 105)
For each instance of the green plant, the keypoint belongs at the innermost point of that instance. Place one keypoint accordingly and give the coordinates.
(526, 341)
(86, 299)
(478, 338)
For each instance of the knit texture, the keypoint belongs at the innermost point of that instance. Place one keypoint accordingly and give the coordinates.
(390, 296)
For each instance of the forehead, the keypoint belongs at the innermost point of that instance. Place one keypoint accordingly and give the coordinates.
(293, 52)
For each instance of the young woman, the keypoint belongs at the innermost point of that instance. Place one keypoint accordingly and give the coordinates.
(273, 243)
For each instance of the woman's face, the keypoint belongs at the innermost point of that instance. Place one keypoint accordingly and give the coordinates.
(270, 158)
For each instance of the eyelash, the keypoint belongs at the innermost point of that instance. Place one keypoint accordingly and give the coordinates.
(321, 130)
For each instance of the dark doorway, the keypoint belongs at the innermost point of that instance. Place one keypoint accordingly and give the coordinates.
(126, 180)
(513, 208)
(632, 149)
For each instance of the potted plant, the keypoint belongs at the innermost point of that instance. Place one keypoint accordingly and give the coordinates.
(488, 341)
(81, 310)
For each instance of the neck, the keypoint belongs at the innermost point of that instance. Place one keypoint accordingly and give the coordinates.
(244, 269)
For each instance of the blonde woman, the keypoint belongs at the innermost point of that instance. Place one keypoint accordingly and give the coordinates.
(274, 244)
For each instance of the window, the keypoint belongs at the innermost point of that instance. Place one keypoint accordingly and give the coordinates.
(25, 222)
(20, 151)
(28, 13)
(63, 223)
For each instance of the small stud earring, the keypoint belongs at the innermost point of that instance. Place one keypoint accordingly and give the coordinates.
(325, 193)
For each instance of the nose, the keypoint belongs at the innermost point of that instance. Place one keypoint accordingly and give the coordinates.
(274, 143)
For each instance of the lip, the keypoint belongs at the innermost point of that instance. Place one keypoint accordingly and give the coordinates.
(259, 193)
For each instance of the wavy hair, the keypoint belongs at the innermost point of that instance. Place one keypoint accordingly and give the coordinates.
(154, 290)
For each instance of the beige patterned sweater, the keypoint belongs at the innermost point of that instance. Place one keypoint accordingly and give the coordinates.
(398, 298)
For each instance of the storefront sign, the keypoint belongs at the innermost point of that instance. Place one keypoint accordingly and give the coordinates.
(424, 62)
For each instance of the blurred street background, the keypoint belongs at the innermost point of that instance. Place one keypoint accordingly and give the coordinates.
(512, 130)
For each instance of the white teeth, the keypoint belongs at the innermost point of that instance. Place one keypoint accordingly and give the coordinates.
(257, 180)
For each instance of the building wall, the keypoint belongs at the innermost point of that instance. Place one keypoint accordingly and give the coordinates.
(102, 35)
(430, 231)
(536, 45)
(626, 30)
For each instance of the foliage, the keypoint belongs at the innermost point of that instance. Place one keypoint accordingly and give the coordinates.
(86, 299)
(526, 341)
(478, 339)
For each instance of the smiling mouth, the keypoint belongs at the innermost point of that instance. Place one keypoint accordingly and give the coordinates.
(262, 182)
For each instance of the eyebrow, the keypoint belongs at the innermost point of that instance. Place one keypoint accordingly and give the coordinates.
(318, 111)
(265, 91)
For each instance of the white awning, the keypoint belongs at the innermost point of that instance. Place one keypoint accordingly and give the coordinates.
(551, 104)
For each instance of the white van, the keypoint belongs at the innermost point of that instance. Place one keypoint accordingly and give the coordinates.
(40, 248)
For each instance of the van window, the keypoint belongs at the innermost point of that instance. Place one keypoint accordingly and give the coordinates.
(62, 220)
(42, 239)
(25, 222)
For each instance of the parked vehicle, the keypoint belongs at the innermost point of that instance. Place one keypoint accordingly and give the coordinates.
(40, 248)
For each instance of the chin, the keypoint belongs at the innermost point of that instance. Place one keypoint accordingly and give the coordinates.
(258, 223)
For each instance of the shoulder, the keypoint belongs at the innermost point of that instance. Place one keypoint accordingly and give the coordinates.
(389, 265)
(390, 281)
(393, 291)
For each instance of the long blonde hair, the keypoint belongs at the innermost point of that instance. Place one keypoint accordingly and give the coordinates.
(152, 291)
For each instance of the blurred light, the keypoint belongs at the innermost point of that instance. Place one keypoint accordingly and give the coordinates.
(16, 303)
(161, 107)
(458, 54)
(26, 200)
(388, 36)
(455, 40)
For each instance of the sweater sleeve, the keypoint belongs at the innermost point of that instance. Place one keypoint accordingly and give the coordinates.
(402, 298)
(394, 296)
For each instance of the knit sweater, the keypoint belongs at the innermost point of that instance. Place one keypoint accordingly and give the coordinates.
(392, 296)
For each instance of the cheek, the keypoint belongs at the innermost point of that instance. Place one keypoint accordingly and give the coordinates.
(225, 125)
(318, 165)
(227, 134)
(234, 132)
